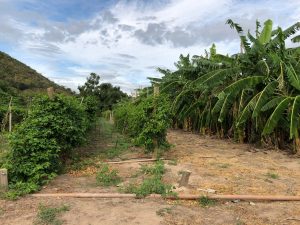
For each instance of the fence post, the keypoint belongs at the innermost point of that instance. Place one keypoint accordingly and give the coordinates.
(111, 116)
(50, 92)
(3, 180)
(156, 90)
(81, 100)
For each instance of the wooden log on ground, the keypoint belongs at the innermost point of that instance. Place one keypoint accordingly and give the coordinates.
(179, 197)
(3, 180)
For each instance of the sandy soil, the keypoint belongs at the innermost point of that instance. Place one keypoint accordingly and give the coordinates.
(230, 169)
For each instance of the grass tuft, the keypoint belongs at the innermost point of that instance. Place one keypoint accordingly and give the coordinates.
(48, 215)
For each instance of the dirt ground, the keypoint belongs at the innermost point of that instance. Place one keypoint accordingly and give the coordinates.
(219, 165)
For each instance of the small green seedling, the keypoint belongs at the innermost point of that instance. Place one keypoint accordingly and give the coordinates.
(272, 175)
(204, 201)
(224, 165)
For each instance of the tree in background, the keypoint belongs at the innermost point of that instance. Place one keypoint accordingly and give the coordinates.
(107, 95)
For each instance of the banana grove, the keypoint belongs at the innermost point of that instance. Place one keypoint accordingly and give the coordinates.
(252, 96)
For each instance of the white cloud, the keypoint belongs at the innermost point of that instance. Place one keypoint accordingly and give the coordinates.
(126, 42)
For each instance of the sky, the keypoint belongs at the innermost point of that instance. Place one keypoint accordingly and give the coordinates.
(125, 41)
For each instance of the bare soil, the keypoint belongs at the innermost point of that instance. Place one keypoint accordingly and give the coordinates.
(219, 165)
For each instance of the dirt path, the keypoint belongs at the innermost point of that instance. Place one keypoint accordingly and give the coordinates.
(232, 169)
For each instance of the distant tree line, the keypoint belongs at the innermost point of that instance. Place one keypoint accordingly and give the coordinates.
(106, 94)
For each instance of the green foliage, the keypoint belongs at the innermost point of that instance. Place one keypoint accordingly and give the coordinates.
(145, 120)
(204, 201)
(105, 94)
(48, 215)
(107, 176)
(44, 140)
(90, 106)
(19, 189)
(265, 35)
(275, 116)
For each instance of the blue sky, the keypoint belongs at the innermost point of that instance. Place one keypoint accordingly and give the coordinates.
(125, 41)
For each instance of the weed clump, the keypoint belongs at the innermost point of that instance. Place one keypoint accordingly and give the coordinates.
(204, 201)
(152, 184)
(272, 175)
(48, 215)
(107, 176)
(157, 170)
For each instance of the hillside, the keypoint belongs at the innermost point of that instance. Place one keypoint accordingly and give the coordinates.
(21, 82)
(16, 79)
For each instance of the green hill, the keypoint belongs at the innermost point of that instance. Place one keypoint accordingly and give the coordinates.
(20, 83)
(17, 78)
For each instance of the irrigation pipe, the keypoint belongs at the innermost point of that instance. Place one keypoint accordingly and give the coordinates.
(179, 197)
(133, 161)
(146, 160)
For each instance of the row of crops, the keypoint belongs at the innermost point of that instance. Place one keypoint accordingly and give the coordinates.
(44, 140)
(252, 96)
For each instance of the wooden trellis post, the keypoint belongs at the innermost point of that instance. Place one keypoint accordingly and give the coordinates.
(185, 176)
(155, 141)
(156, 90)
(50, 92)
(3, 180)
(10, 116)
(111, 116)
(81, 100)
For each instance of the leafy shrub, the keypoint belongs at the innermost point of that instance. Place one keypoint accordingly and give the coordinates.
(146, 120)
(107, 176)
(91, 108)
(43, 141)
